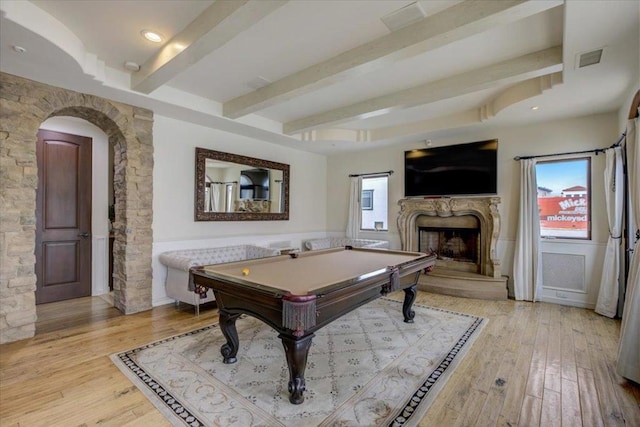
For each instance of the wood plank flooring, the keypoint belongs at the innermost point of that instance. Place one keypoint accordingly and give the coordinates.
(533, 365)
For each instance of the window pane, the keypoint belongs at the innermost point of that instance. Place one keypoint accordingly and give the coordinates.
(373, 203)
(564, 189)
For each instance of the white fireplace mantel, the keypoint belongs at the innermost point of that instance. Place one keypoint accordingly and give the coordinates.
(483, 208)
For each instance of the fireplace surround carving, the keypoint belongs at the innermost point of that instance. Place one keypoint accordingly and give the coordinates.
(485, 209)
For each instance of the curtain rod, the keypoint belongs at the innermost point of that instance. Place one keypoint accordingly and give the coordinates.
(371, 174)
(219, 182)
(596, 150)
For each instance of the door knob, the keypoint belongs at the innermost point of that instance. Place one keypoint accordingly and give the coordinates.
(84, 234)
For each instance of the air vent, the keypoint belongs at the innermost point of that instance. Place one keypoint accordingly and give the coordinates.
(590, 58)
(258, 82)
(402, 17)
(564, 271)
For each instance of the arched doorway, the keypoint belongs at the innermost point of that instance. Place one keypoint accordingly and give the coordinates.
(25, 105)
(101, 184)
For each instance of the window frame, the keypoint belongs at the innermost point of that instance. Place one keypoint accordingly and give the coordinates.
(588, 186)
(373, 204)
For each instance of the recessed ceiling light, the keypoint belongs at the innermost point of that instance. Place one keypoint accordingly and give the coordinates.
(132, 66)
(19, 49)
(535, 107)
(152, 36)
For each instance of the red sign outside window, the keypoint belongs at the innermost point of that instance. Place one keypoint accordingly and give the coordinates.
(559, 215)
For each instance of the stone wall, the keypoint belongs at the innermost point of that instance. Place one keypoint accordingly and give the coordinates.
(24, 105)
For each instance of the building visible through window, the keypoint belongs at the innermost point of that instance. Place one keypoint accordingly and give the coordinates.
(564, 202)
(373, 203)
(367, 200)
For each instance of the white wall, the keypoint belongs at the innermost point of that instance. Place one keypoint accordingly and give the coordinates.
(173, 199)
(316, 211)
(585, 133)
(99, 191)
(173, 196)
(173, 182)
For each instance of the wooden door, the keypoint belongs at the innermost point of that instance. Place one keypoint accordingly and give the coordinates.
(63, 217)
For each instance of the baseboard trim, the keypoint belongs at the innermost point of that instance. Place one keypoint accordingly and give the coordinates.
(162, 301)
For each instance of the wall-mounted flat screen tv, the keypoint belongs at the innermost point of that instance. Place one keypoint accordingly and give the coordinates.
(463, 169)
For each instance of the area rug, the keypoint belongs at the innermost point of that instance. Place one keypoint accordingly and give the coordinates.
(368, 368)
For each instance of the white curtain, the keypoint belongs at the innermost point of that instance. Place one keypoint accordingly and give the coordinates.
(353, 221)
(607, 303)
(629, 346)
(527, 271)
(216, 198)
(207, 198)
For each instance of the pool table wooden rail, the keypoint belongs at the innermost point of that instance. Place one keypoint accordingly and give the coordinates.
(236, 296)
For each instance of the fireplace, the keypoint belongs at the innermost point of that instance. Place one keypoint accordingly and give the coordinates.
(463, 232)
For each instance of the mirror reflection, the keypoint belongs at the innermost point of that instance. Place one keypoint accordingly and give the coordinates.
(232, 187)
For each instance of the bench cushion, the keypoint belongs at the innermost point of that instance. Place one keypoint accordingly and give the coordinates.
(187, 258)
(178, 284)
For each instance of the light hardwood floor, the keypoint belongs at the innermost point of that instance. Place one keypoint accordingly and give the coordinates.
(533, 365)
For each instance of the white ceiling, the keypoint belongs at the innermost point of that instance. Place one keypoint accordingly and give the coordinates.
(465, 64)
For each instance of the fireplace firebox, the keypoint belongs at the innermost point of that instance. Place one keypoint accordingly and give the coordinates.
(451, 244)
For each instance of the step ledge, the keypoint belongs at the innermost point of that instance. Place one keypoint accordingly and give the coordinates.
(466, 285)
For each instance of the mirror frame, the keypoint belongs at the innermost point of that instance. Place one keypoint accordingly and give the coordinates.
(202, 154)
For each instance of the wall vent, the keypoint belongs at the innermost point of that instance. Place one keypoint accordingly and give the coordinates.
(258, 82)
(589, 58)
(563, 271)
(402, 17)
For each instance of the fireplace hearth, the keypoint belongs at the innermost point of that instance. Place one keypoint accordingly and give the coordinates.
(463, 232)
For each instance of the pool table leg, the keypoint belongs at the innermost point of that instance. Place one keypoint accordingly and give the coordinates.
(409, 297)
(228, 328)
(297, 351)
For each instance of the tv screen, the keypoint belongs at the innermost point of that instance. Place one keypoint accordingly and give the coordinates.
(464, 169)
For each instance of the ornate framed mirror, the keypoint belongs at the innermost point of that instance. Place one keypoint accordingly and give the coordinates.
(231, 187)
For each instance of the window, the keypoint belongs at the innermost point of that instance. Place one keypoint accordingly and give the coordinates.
(246, 187)
(373, 203)
(367, 200)
(564, 198)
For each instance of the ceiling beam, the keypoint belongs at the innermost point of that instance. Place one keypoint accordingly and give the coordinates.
(506, 72)
(510, 96)
(460, 21)
(212, 29)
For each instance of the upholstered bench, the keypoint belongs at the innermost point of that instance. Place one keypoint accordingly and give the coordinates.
(336, 242)
(180, 261)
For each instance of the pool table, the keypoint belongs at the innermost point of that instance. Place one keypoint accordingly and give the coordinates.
(299, 293)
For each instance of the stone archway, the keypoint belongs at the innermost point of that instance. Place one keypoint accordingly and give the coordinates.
(24, 105)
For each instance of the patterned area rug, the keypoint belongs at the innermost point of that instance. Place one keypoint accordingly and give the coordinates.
(367, 368)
